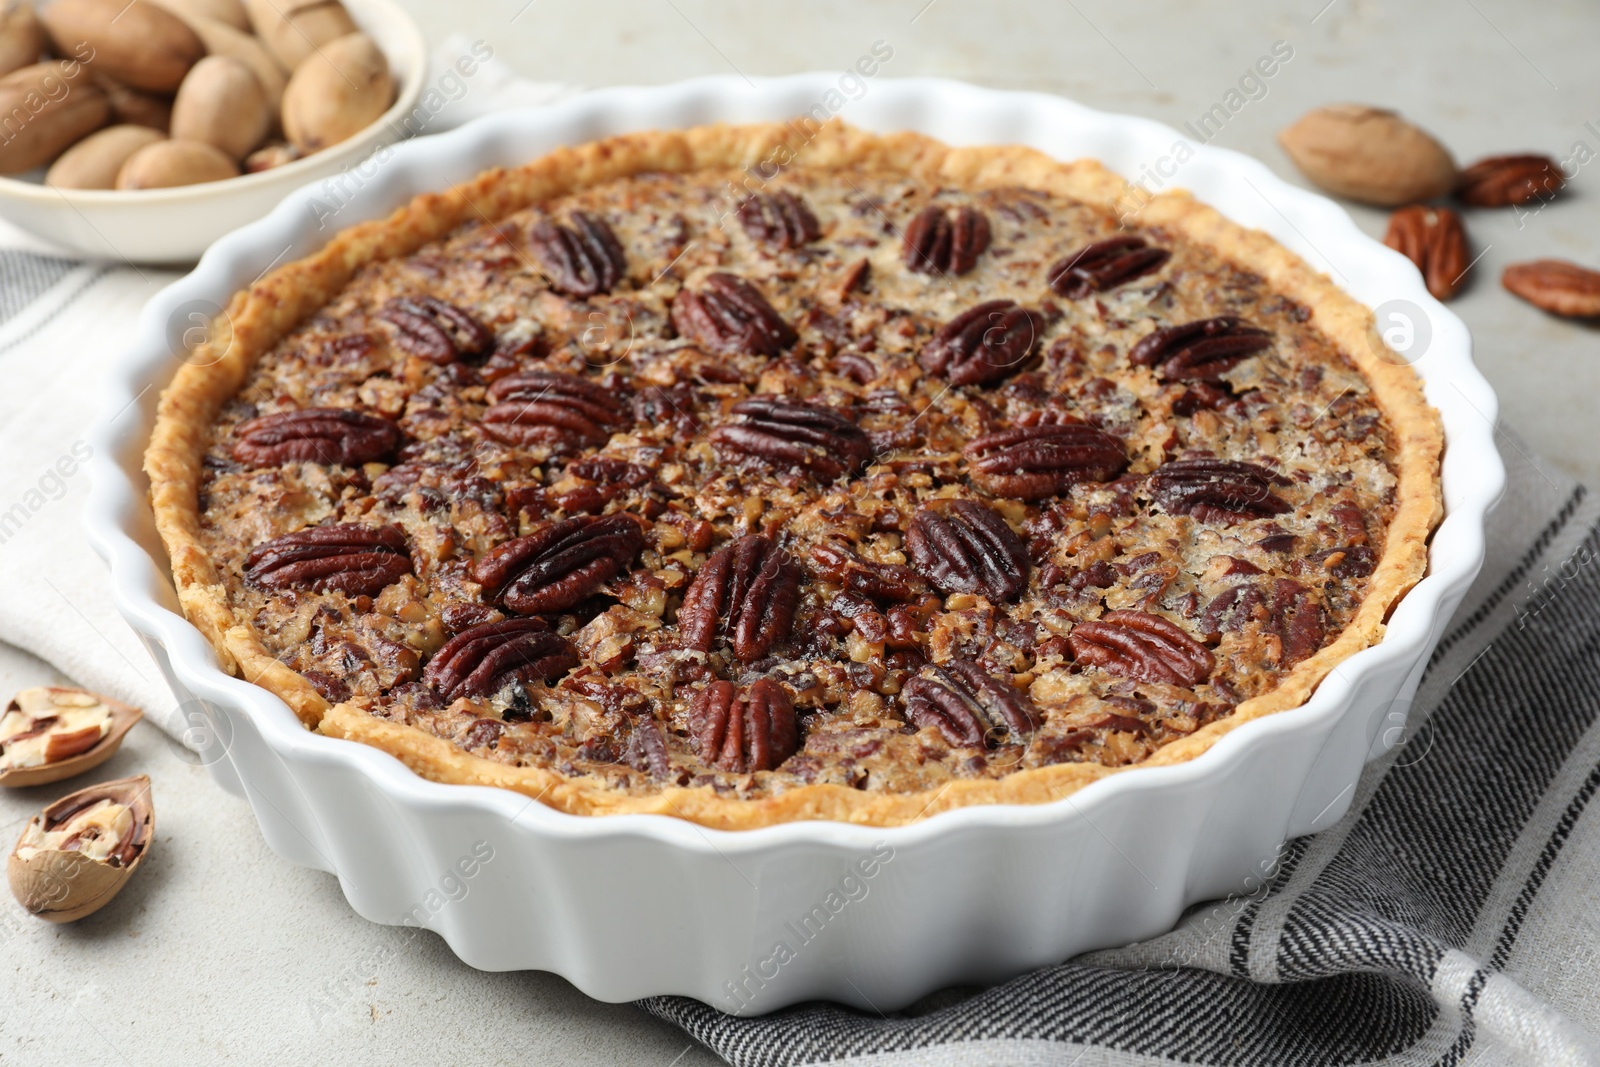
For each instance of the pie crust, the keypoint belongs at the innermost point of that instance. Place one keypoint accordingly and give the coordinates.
(259, 317)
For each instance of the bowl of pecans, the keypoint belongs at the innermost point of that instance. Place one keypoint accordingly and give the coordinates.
(143, 133)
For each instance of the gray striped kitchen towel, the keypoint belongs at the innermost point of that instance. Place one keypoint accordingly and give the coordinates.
(1452, 918)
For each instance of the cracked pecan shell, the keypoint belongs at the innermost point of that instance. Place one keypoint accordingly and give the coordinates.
(730, 317)
(434, 330)
(333, 436)
(552, 408)
(1434, 239)
(582, 259)
(483, 659)
(1221, 491)
(559, 565)
(1199, 351)
(1501, 181)
(968, 705)
(786, 435)
(984, 344)
(1141, 646)
(778, 221)
(744, 730)
(749, 590)
(1104, 265)
(1034, 462)
(351, 558)
(946, 242)
(967, 548)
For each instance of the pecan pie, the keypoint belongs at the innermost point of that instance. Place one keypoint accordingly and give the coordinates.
(767, 473)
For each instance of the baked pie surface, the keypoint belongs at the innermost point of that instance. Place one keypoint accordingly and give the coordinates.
(748, 476)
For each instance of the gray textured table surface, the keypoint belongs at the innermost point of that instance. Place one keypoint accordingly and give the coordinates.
(218, 952)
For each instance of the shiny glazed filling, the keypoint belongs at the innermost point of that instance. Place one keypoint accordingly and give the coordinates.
(851, 481)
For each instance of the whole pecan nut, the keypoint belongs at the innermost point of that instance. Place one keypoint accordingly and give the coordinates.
(984, 344)
(968, 705)
(788, 435)
(1141, 646)
(583, 259)
(748, 589)
(552, 408)
(334, 436)
(1501, 181)
(1434, 239)
(483, 659)
(779, 221)
(348, 557)
(434, 330)
(1556, 286)
(946, 242)
(730, 317)
(559, 565)
(1200, 351)
(1034, 462)
(1222, 491)
(1104, 265)
(742, 731)
(968, 549)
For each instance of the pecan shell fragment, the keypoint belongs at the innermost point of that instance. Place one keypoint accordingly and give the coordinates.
(984, 344)
(787, 435)
(1556, 286)
(559, 565)
(748, 589)
(968, 705)
(1501, 181)
(968, 549)
(1143, 647)
(483, 659)
(552, 408)
(1435, 240)
(583, 259)
(349, 557)
(1200, 351)
(779, 221)
(1104, 265)
(730, 317)
(742, 731)
(1221, 491)
(1034, 462)
(946, 242)
(434, 330)
(333, 436)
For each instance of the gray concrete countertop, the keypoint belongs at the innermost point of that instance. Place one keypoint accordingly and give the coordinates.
(221, 953)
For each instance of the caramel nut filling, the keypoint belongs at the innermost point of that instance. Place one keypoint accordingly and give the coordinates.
(855, 481)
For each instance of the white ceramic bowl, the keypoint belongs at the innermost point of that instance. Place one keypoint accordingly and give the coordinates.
(177, 225)
(626, 906)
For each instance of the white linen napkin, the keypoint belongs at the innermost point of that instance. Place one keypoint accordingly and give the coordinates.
(62, 326)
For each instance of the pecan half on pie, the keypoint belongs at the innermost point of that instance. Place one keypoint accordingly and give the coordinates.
(781, 472)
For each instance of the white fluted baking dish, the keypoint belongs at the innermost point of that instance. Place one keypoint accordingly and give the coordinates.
(627, 906)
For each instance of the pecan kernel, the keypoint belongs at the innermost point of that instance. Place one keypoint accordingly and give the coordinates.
(746, 730)
(748, 589)
(349, 557)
